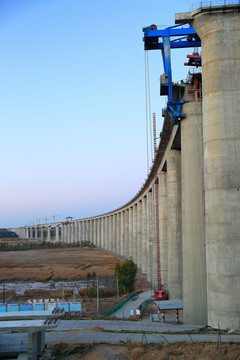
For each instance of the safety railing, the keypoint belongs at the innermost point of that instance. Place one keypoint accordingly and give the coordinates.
(203, 4)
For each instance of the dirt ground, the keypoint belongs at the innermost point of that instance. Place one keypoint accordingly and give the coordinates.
(132, 351)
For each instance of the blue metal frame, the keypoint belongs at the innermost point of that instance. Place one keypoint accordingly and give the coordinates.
(184, 37)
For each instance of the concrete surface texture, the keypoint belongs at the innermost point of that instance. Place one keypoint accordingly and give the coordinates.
(174, 224)
(220, 35)
(193, 237)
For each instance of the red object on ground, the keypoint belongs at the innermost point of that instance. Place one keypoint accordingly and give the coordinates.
(160, 295)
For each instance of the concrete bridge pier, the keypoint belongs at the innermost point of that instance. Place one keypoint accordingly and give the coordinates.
(36, 233)
(162, 193)
(134, 256)
(69, 232)
(144, 235)
(219, 32)
(174, 232)
(126, 232)
(48, 233)
(193, 240)
(36, 344)
(130, 233)
(150, 236)
(122, 252)
(139, 235)
(57, 233)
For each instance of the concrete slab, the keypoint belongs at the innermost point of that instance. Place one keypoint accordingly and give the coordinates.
(30, 315)
(27, 325)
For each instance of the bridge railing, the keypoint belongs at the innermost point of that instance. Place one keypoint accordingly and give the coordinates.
(202, 4)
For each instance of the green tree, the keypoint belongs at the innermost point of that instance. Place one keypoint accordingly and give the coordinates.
(126, 273)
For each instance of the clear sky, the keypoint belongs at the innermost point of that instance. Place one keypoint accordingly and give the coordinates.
(72, 93)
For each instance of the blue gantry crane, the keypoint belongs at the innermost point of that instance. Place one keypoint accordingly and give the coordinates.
(173, 37)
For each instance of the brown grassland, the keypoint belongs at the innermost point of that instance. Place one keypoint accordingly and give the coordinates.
(58, 264)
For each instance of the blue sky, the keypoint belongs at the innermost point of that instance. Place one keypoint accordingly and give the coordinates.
(72, 90)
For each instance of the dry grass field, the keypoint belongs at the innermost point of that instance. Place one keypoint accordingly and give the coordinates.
(175, 351)
(58, 264)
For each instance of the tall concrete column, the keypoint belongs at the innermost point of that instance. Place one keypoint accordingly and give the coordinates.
(42, 233)
(220, 36)
(155, 264)
(106, 234)
(57, 234)
(103, 233)
(174, 224)
(31, 233)
(139, 235)
(149, 237)
(130, 232)
(144, 235)
(73, 232)
(162, 193)
(126, 231)
(135, 233)
(69, 232)
(36, 233)
(112, 242)
(99, 232)
(122, 240)
(95, 231)
(48, 233)
(77, 223)
(118, 237)
(90, 230)
(62, 235)
(80, 231)
(84, 230)
(114, 233)
(193, 242)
